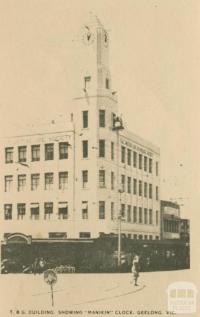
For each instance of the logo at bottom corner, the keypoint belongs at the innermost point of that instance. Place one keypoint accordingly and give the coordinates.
(181, 297)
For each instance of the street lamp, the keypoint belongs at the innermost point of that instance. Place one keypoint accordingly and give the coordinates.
(117, 126)
(119, 230)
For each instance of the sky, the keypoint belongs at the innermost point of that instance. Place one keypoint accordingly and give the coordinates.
(154, 61)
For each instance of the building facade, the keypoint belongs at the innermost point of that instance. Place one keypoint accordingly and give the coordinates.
(89, 177)
(185, 229)
(170, 220)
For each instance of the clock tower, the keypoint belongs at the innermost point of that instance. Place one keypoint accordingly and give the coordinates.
(92, 115)
(92, 60)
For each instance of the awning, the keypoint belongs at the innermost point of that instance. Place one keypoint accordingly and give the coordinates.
(84, 205)
(63, 204)
(34, 208)
(34, 205)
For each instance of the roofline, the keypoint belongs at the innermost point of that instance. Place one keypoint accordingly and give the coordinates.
(34, 134)
(168, 203)
(140, 141)
(96, 96)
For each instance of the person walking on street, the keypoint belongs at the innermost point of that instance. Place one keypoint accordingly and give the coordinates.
(135, 269)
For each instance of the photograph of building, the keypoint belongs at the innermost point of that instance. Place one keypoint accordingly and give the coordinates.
(99, 182)
(74, 181)
(87, 180)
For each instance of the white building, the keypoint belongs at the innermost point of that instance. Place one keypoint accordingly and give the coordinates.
(74, 182)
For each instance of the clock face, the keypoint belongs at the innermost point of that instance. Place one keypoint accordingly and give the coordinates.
(88, 37)
(105, 38)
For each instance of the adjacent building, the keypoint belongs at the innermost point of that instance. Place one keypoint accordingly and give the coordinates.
(90, 176)
(185, 229)
(170, 220)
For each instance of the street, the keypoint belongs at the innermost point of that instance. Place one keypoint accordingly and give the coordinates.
(89, 294)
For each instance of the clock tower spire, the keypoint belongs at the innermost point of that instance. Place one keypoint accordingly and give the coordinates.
(93, 61)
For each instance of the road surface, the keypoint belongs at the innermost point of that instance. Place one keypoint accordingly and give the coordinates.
(88, 294)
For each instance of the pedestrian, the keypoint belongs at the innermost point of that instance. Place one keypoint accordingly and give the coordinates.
(135, 269)
(41, 265)
(35, 266)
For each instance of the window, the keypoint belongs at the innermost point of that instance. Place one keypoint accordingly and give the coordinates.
(85, 119)
(57, 235)
(63, 150)
(112, 151)
(63, 210)
(21, 210)
(123, 154)
(129, 185)
(21, 182)
(84, 235)
(48, 210)
(107, 83)
(150, 237)
(135, 186)
(145, 163)
(8, 183)
(157, 169)
(145, 189)
(63, 180)
(49, 153)
(157, 193)
(145, 216)
(84, 178)
(135, 159)
(112, 180)
(150, 165)
(140, 236)
(48, 181)
(35, 181)
(102, 180)
(112, 206)
(129, 213)
(102, 122)
(35, 152)
(22, 153)
(9, 154)
(8, 212)
(135, 236)
(140, 214)
(128, 156)
(140, 188)
(145, 237)
(113, 120)
(87, 80)
(101, 209)
(84, 210)
(150, 217)
(123, 183)
(150, 191)
(123, 211)
(165, 225)
(35, 211)
(101, 148)
(134, 214)
(140, 161)
(85, 148)
(157, 218)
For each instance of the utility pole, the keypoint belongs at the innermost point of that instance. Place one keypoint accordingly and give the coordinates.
(119, 242)
(117, 126)
(119, 230)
